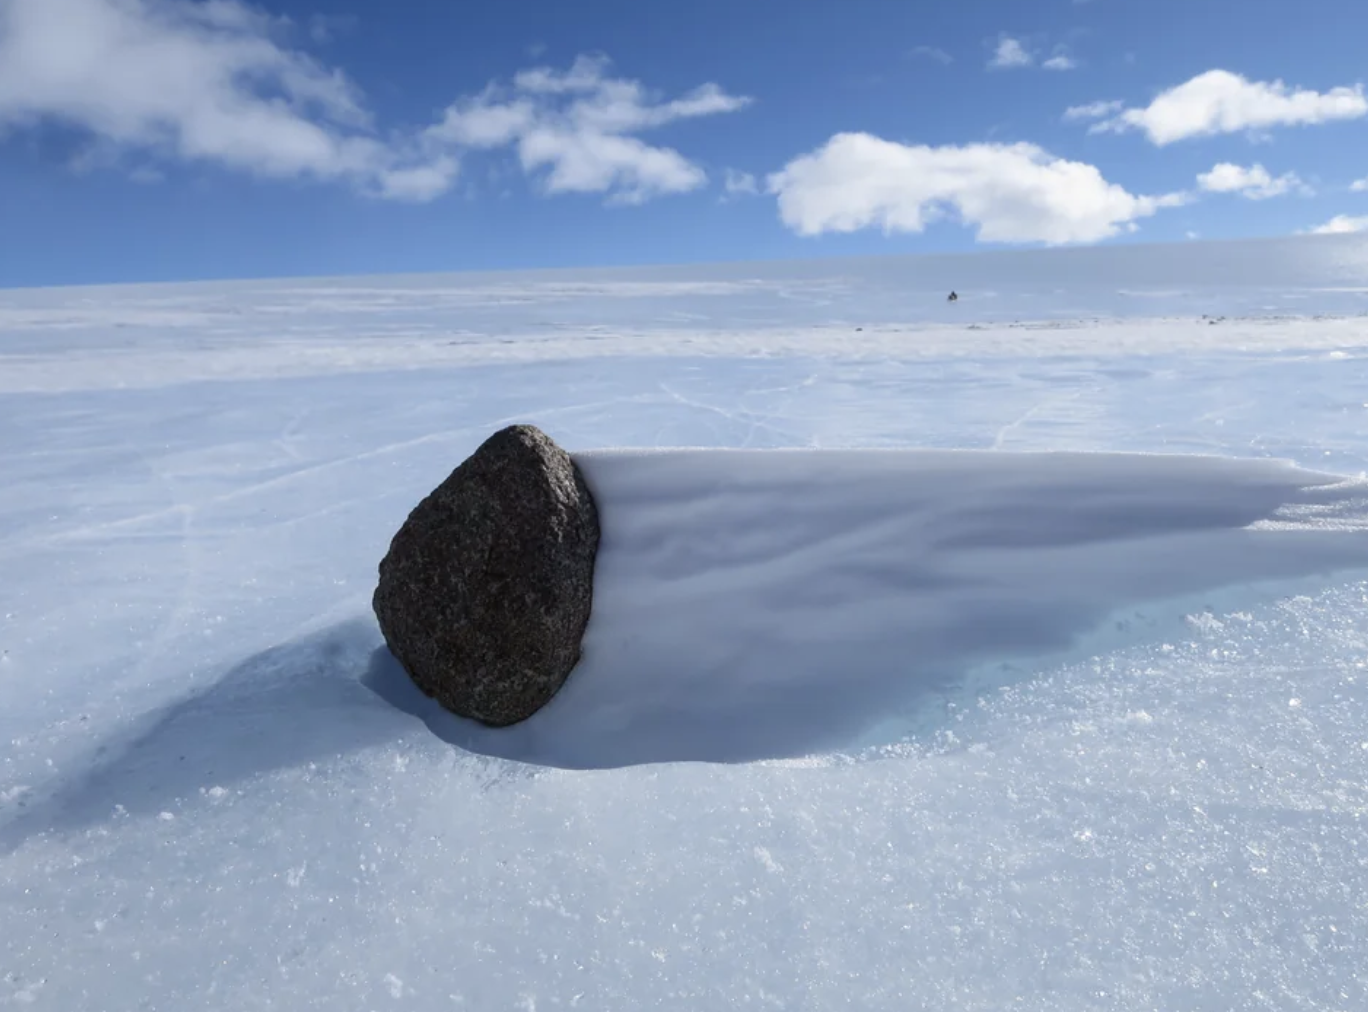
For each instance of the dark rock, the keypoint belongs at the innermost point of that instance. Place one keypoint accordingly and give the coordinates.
(487, 587)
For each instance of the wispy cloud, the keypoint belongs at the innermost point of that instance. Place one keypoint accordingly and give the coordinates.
(739, 184)
(1359, 185)
(1060, 61)
(1342, 224)
(1253, 183)
(219, 82)
(326, 28)
(575, 128)
(1221, 102)
(933, 53)
(1015, 193)
(1092, 110)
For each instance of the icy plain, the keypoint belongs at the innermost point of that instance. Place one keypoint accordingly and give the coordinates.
(1115, 758)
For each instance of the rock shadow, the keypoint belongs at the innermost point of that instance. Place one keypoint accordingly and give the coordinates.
(293, 704)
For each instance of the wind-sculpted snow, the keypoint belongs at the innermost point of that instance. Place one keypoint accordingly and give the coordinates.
(753, 605)
(1073, 730)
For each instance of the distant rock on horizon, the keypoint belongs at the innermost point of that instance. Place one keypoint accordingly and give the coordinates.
(487, 587)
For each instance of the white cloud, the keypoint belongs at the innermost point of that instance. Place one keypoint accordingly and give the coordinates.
(1010, 53)
(627, 169)
(419, 183)
(1009, 192)
(1253, 183)
(483, 121)
(216, 82)
(1092, 110)
(737, 184)
(1359, 185)
(933, 53)
(1013, 53)
(1341, 224)
(1219, 102)
(202, 82)
(577, 125)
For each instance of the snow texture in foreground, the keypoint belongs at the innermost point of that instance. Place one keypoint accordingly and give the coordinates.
(208, 798)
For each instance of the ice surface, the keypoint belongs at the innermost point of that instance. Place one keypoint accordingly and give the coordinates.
(1309, 293)
(1148, 793)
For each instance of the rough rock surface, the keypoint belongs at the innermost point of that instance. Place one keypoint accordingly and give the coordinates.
(487, 587)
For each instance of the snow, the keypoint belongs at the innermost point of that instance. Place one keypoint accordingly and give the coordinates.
(755, 605)
(926, 703)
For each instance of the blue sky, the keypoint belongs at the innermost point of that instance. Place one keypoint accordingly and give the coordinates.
(146, 140)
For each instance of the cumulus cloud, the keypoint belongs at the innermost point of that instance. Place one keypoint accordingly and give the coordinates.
(1341, 224)
(1359, 185)
(1220, 102)
(1015, 193)
(1060, 61)
(207, 82)
(574, 128)
(1010, 53)
(217, 82)
(1253, 183)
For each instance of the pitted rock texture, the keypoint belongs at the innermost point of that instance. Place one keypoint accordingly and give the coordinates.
(487, 587)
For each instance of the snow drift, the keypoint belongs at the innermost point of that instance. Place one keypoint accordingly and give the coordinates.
(770, 604)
